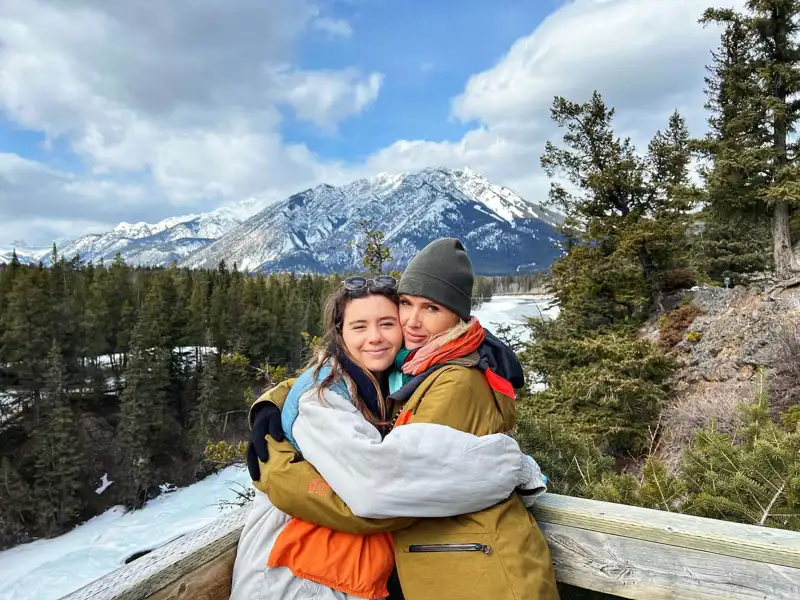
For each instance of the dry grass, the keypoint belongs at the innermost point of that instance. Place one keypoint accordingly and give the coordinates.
(785, 385)
(674, 324)
(698, 408)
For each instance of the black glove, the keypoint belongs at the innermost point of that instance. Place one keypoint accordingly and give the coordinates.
(267, 421)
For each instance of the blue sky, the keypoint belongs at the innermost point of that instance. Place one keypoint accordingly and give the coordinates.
(111, 113)
(427, 50)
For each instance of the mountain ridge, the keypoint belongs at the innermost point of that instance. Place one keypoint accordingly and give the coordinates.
(309, 229)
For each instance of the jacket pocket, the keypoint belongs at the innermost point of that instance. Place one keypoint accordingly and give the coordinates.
(457, 566)
(486, 549)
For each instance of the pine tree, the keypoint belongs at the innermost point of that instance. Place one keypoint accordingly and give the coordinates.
(627, 212)
(59, 460)
(608, 383)
(751, 477)
(25, 331)
(156, 313)
(734, 235)
(374, 251)
(15, 503)
(656, 487)
(758, 72)
(570, 458)
(144, 430)
(731, 246)
(662, 234)
(95, 325)
(197, 323)
(209, 392)
(218, 318)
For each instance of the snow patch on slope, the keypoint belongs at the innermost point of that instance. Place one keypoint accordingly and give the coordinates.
(50, 569)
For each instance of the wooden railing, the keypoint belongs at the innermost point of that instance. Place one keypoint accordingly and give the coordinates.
(622, 550)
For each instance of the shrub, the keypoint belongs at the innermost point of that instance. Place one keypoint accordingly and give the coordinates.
(223, 454)
(673, 325)
(716, 404)
(570, 459)
(678, 279)
(747, 470)
(755, 480)
(607, 384)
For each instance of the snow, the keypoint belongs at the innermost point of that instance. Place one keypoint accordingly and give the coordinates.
(187, 351)
(514, 310)
(25, 253)
(50, 569)
(104, 483)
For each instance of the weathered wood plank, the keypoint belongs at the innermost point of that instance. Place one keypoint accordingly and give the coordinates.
(166, 565)
(211, 581)
(627, 551)
(763, 544)
(645, 570)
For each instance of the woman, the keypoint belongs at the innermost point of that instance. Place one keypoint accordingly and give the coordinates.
(333, 415)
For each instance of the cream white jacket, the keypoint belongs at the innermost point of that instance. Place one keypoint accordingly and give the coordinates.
(417, 470)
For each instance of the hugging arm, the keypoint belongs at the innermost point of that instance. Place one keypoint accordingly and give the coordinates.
(295, 487)
(422, 469)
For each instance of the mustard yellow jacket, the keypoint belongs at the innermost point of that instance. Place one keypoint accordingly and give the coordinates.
(496, 554)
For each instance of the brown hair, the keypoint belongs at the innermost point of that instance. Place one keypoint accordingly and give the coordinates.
(332, 344)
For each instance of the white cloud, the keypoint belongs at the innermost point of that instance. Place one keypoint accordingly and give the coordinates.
(181, 95)
(333, 27)
(646, 57)
(328, 97)
(39, 204)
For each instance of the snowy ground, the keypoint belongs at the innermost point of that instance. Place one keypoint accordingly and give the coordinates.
(50, 569)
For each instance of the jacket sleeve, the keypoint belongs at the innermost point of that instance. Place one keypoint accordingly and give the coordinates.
(276, 395)
(418, 470)
(295, 487)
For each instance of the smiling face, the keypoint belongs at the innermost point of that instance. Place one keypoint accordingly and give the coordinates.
(422, 319)
(371, 332)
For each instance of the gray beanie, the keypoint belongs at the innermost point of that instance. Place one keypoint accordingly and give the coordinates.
(441, 272)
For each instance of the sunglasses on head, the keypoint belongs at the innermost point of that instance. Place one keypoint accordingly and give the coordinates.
(358, 283)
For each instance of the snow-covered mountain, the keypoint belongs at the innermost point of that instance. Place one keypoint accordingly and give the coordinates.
(310, 230)
(161, 243)
(26, 254)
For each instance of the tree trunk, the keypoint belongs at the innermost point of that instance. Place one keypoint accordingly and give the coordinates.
(782, 242)
(781, 58)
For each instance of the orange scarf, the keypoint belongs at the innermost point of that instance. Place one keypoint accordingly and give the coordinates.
(435, 352)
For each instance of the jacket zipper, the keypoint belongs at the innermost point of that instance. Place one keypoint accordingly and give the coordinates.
(486, 549)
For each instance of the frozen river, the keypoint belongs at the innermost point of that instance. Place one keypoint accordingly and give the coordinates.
(514, 310)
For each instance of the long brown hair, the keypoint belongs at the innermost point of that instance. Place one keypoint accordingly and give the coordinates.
(332, 344)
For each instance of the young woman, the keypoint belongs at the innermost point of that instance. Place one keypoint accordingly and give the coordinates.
(335, 415)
